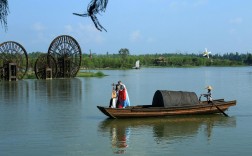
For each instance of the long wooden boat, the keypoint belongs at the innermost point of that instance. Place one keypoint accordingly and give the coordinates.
(170, 103)
(149, 111)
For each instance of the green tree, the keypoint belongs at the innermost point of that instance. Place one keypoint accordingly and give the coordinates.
(249, 59)
(124, 52)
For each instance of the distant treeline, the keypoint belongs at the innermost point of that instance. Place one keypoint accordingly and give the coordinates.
(124, 60)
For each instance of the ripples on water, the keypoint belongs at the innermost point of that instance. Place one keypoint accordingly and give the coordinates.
(161, 133)
(59, 117)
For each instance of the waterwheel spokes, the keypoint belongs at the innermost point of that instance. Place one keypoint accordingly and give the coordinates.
(45, 67)
(13, 60)
(67, 53)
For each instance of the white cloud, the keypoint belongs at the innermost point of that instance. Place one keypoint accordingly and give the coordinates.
(183, 4)
(39, 37)
(38, 26)
(135, 36)
(68, 28)
(150, 40)
(237, 20)
(176, 5)
(90, 33)
(232, 31)
(86, 33)
(200, 3)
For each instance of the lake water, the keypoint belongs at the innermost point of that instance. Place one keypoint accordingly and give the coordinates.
(59, 117)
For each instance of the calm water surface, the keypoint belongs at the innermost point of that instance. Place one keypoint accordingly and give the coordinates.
(60, 118)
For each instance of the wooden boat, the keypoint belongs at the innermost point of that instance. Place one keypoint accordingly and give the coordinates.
(170, 103)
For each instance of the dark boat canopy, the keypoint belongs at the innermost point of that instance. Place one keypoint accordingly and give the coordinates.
(166, 98)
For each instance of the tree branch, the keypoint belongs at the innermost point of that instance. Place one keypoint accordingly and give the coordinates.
(95, 7)
(4, 10)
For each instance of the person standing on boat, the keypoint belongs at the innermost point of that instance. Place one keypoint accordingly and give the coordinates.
(208, 95)
(123, 96)
(113, 100)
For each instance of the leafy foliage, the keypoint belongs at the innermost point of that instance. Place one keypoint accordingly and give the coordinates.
(124, 52)
(4, 10)
(123, 60)
(95, 7)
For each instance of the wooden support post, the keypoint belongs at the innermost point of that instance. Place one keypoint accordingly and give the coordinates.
(48, 73)
(12, 72)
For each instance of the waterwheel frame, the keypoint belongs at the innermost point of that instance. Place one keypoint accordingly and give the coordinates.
(67, 53)
(45, 64)
(13, 54)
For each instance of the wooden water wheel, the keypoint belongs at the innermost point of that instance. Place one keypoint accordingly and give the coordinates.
(67, 53)
(45, 67)
(13, 61)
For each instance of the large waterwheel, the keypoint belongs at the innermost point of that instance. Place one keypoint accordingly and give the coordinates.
(13, 61)
(67, 53)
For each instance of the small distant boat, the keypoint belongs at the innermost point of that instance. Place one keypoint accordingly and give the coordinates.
(170, 103)
(137, 66)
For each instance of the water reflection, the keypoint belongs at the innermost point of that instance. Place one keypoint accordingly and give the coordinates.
(58, 90)
(54, 91)
(120, 137)
(119, 134)
(14, 92)
(164, 130)
(174, 129)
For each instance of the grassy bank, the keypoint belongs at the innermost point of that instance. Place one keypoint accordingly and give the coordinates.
(90, 74)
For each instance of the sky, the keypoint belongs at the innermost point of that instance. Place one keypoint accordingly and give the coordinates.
(142, 26)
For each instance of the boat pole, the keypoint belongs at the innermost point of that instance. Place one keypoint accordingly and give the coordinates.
(220, 109)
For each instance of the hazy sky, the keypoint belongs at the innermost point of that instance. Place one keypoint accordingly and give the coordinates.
(142, 26)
